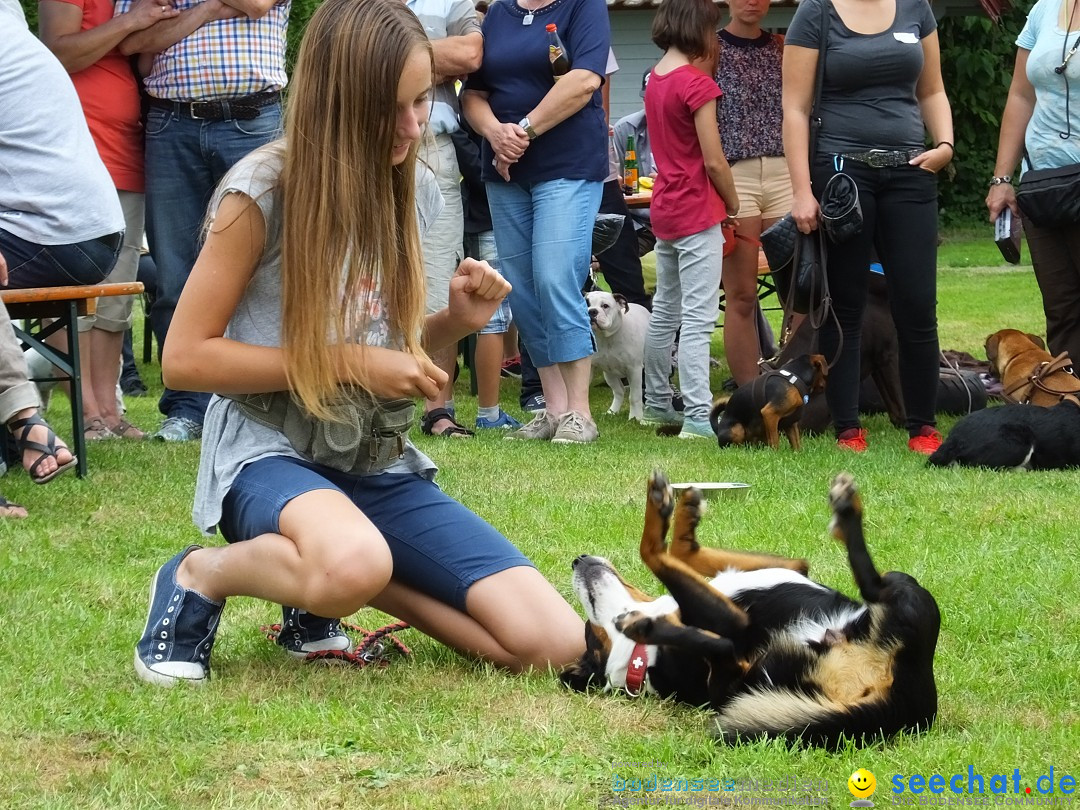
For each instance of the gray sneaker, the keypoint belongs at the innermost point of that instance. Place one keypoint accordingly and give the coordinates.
(541, 428)
(179, 429)
(656, 416)
(692, 429)
(575, 428)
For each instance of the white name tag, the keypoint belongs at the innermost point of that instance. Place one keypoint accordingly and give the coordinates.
(906, 37)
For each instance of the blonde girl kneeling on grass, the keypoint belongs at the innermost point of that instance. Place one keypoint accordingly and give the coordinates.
(313, 237)
(692, 195)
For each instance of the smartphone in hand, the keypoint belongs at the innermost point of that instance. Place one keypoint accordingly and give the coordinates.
(1007, 236)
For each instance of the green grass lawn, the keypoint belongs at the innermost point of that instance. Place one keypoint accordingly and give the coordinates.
(80, 731)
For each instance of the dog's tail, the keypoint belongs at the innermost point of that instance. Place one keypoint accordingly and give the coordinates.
(945, 455)
(717, 411)
(808, 718)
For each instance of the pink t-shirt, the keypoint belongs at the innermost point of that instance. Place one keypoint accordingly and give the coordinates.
(684, 201)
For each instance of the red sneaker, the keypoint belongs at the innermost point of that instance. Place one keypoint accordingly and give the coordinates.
(853, 439)
(926, 441)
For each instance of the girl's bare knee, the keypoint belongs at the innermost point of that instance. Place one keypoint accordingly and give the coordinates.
(347, 580)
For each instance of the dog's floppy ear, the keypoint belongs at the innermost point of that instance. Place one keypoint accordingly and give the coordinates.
(1038, 341)
(992, 346)
(622, 302)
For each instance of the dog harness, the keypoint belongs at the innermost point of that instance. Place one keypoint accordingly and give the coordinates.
(1037, 381)
(757, 386)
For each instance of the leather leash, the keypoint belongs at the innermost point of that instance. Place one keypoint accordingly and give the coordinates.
(1037, 380)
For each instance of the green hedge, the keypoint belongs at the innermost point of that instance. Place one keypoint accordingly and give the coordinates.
(977, 60)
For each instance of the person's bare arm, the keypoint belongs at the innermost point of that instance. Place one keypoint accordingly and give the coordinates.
(252, 9)
(713, 152)
(168, 32)
(934, 105)
(1014, 121)
(570, 94)
(457, 56)
(799, 72)
(60, 28)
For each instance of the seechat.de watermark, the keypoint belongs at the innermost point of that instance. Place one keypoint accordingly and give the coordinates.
(1053, 788)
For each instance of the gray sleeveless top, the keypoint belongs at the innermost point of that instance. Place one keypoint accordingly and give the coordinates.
(231, 439)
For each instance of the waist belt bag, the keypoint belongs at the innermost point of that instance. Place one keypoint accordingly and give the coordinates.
(367, 437)
(1051, 197)
(841, 212)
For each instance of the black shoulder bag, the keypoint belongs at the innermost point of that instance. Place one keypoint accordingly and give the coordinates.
(798, 260)
(1050, 197)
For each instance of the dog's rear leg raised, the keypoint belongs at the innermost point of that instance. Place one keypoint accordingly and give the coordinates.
(847, 527)
(711, 561)
(700, 604)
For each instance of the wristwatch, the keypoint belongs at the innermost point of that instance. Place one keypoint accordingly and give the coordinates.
(525, 125)
(997, 181)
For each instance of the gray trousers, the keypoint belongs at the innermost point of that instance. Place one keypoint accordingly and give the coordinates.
(16, 391)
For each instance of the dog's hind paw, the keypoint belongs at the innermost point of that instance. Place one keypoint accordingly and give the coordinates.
(660, 493)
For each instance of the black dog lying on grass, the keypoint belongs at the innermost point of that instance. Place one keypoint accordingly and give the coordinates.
(1022, 437)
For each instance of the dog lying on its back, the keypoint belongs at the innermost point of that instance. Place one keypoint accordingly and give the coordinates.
(1022, 437)
(772, 402)
(772, 652)
(619, 329)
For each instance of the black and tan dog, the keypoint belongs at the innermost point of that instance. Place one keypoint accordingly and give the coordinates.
(772, 402)
(772, 652)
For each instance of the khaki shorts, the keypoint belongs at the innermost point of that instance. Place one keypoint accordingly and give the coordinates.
(764, 187)
(114, 311)
(442, 244)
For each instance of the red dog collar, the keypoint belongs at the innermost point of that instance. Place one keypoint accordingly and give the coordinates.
(636, 670)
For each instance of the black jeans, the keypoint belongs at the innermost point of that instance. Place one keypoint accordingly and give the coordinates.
(620, 263)
(900, 224)
(1055, 253)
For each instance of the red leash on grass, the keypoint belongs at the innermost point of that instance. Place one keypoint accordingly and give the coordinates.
(372, 649)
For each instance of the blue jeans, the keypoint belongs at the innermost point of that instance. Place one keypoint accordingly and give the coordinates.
(185, 160)
(34, 265)
(543, 232)
(439, 547)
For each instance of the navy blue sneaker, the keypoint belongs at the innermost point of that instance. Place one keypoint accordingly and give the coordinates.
(534, 403)
(303, 633)
(180, 628)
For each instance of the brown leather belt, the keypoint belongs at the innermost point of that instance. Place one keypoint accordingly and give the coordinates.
(243, 108)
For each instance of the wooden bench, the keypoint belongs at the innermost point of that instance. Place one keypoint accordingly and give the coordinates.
(44, 312)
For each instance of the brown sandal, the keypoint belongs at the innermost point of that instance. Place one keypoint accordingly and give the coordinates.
(455, 431)
(125, 430)
(96, 430)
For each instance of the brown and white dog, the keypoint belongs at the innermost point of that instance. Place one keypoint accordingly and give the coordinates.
(619, 329)
(772, 652)
(1029, 374)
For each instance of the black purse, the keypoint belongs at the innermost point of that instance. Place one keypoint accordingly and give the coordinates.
(797, 263)
(1050, 198)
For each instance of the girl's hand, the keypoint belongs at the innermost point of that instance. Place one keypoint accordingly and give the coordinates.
(395, 374)
(476, 290)
(806, 212)
(934, 160)
(999, 197)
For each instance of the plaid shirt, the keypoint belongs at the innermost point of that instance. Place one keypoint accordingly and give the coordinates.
(222, 59)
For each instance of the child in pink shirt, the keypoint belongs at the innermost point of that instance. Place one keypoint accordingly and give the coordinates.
(693, 193)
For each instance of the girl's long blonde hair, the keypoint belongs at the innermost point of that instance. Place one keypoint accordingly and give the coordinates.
(349, 216)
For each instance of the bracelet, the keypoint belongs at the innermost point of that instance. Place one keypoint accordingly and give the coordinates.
(946, 143)
(997, 181)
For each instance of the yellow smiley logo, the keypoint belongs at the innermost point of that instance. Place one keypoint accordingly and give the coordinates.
(862, 784)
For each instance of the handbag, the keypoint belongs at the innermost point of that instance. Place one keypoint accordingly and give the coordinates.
(797, 262)
(1050, 197)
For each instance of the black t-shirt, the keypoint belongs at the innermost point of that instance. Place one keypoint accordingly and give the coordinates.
(868, 95)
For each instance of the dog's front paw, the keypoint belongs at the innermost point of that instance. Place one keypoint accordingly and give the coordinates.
(635, 625)
(844, 501)
(660, 493)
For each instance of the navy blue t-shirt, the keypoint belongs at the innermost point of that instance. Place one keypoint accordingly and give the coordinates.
(516, 73)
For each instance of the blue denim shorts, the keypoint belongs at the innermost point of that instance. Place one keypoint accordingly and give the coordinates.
(439, 547)
(482, 246)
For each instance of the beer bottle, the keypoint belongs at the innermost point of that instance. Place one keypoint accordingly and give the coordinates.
(630, 168)
(556, 53)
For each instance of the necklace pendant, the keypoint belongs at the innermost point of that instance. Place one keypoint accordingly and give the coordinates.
(527, 19)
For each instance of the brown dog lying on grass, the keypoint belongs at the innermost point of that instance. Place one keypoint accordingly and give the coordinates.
(1028, 373)
(770, 403)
